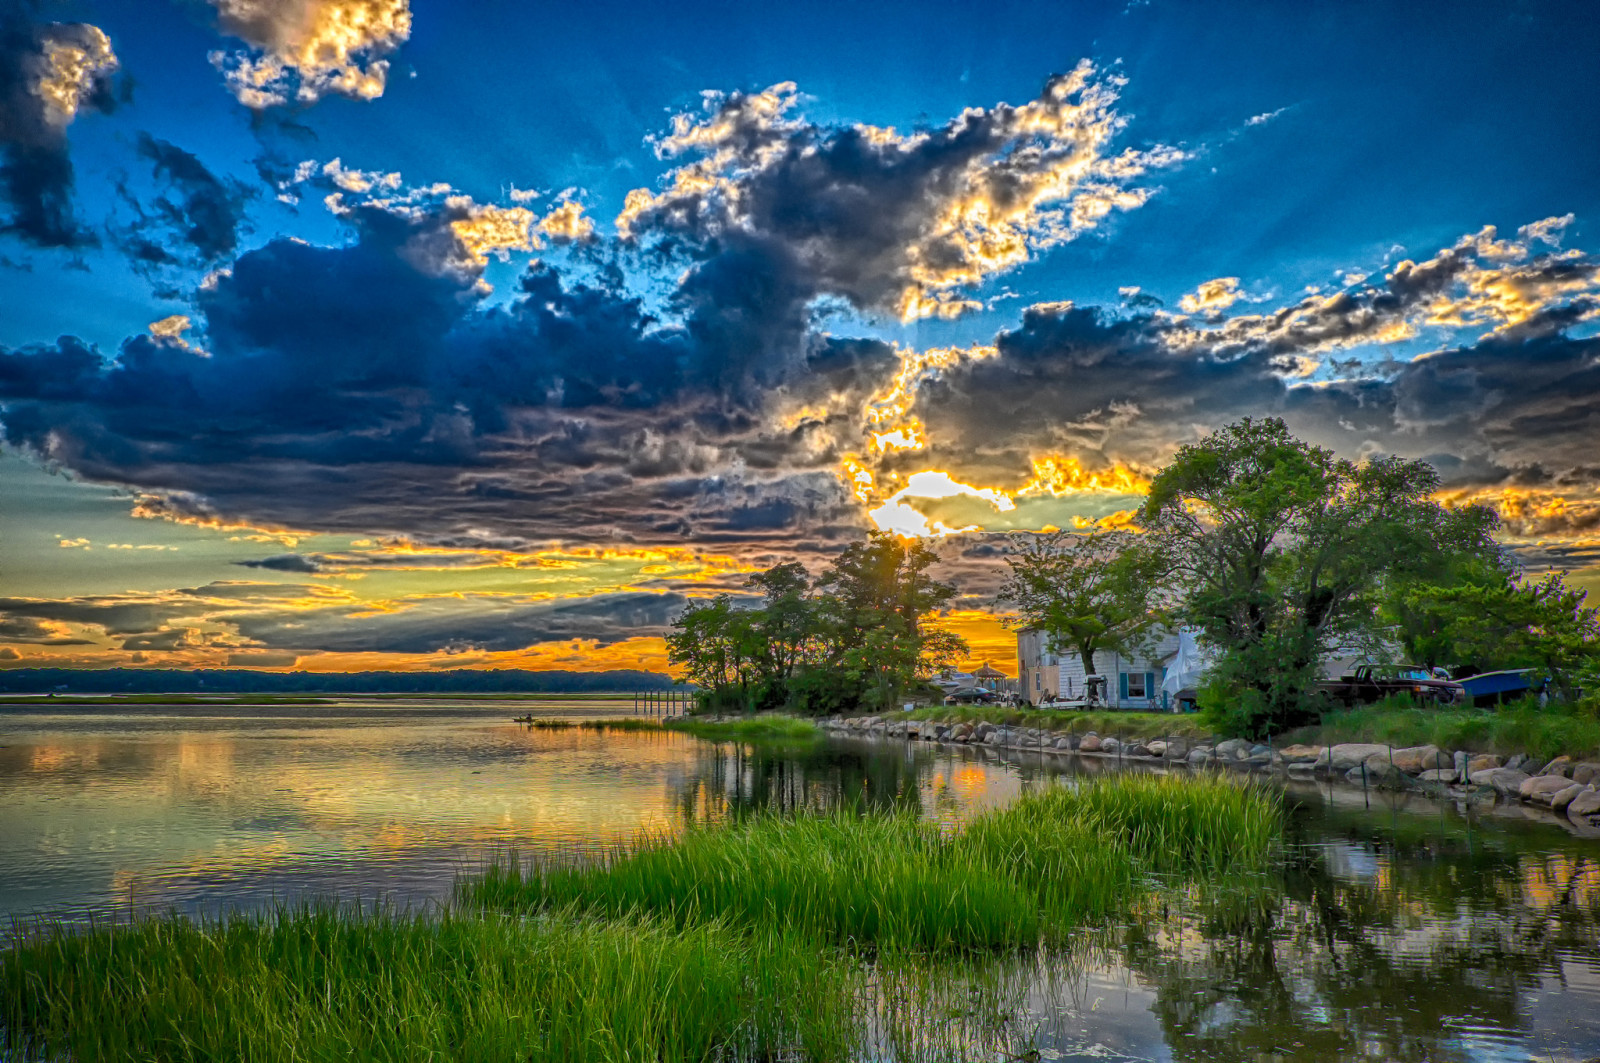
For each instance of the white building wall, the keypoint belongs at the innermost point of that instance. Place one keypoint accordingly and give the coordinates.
(1121, 672)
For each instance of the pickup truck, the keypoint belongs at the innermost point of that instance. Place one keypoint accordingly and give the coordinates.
(1370, 683)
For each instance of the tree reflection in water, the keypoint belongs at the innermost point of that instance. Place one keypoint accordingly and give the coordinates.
(1403, 938)
(1413, 934)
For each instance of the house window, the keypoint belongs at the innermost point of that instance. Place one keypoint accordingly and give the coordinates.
(1133, 685)
(1036, 678)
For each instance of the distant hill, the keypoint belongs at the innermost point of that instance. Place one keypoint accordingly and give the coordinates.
(249, 681)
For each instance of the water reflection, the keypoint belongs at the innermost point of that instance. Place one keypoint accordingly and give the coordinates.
(1411, 931)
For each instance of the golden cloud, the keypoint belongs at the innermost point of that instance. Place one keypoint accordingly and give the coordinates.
(307, 49)
(68, 68)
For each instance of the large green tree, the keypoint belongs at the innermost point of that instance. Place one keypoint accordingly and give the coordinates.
(1087, 591)
(873, 605)
(857, 637)
(1279, 551)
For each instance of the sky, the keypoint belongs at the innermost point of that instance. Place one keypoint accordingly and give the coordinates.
(343, 334)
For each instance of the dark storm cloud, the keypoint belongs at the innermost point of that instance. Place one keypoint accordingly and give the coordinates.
(777, 209)
(453, 625)
(28, 629)
(1521, 405)
(369, 388)
(49, 72)
(117, 616)
(285, 563)
(195, 218)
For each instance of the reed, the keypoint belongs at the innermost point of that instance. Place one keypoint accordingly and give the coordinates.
(750, 729)
(321, 983)
(1016, 876)
(625, 724)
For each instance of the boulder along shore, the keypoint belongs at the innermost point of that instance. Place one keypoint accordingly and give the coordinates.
(1564, 785)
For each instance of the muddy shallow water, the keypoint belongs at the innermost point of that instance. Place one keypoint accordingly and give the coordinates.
(1399, 928)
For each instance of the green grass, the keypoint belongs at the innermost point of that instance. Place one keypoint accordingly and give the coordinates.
(1521, 727)
(1141, 724)
(1012, 877)
(749, 729)
(324, 984)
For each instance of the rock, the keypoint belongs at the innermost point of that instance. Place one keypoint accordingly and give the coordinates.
(1586, 803)
(1562, 766)
(1089, 743)
(1518, 762)
(1301, 754)
(1414, 760)
(1507, 781)
(1301, 769)
(1109, 745)
(1232, 748)
(1460, 759)
(1158, 748)
(1177, 749)
(1260, 749)
(962, 733)
(1585, 772)
(1542, 787)
(1440, 775)
(1064, 743)
(1378, 769)
(994, 738)
(1562, 798)
(1199, 755)
(1138, 749)
(1350, 754)
(1484, 762)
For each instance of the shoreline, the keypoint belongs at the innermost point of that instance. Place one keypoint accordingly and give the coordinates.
(1564, 788)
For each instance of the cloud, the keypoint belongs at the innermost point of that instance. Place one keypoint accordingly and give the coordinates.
(456, 625)
(357, 387)
(49, 73)
(1212, 296)
(303, 50)
(890, 222)
(9, 654)
(195, 218)
(285, 563)
(1519, 403)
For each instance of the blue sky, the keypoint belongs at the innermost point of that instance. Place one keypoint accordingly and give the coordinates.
(709, 383)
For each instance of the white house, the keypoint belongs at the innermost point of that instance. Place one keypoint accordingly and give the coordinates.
(1133, 681)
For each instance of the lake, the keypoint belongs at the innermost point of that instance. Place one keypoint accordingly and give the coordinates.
(1398, 928)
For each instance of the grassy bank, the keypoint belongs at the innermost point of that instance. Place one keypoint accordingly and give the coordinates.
(1518, 728)
(1144, 724)
(318, 984)
(1011, 877)
(749, 729)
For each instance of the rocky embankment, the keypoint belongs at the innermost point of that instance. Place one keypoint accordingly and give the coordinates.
(1563, 785)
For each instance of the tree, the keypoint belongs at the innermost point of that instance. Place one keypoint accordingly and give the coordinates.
(856, 637)
(1280, 549)
(871, 622)
(1087, 592)
(716, 647)
(1543, 625)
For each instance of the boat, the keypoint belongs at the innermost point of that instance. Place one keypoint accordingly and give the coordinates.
(1495, 687)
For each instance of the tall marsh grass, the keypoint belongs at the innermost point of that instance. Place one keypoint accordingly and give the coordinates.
(1011, 877)
(750, 729)
(624, 724)
(329, 984)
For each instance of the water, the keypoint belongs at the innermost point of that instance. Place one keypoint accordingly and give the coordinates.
(1410, 930)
